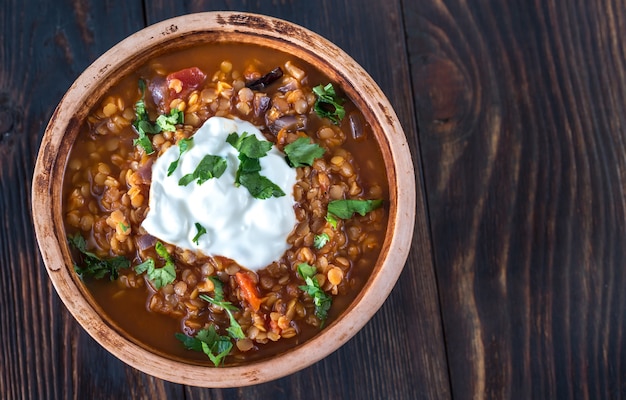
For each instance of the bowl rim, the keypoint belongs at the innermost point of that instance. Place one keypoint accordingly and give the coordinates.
(46, 197)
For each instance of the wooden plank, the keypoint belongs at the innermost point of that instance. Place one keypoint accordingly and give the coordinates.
(400, 353)
(522, 128)
(44, 353)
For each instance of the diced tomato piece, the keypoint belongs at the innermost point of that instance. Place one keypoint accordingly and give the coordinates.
(183, 82)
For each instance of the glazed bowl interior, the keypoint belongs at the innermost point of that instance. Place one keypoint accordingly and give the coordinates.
(187, 31)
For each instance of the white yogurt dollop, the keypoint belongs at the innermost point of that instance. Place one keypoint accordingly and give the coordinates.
(253, 232)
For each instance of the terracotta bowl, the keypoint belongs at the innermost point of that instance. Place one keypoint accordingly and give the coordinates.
(232, 27)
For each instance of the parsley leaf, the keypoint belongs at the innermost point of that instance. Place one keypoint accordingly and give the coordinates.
(306, 270)
(250, 150)
(234, 330)
(140, 106)
(302, 152)
(247, 165)
(93, 265)
(328, 105)
(159, 276)
(147, 265)
(259, 186)
(218, 288)
(168, 122)
(183, 146)
(142, 123)
(320, 241)
(249, 145)
(331, 220)
(321, 299)
(209, 167)
(162, 251)
(208, 341)
(201, 231)
(344, 209)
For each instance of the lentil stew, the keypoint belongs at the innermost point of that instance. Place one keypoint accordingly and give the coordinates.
(107, 188)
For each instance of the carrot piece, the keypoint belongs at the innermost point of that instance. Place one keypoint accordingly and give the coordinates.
(248, 290)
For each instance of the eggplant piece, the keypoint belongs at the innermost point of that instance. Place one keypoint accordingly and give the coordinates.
(288, 122)
(265, 80)
(261, 104)
(357, 126)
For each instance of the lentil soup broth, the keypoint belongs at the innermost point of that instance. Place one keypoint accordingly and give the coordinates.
(107, 186)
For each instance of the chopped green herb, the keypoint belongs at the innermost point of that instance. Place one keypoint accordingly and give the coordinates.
(147, 265)
(168, 122)
(94, 266)
(344, 209)
(234, 330)
(250, 150)
(320, 241)
(140, 106)
(331, 220)
(306, 270)
(159, 276)
(201, 231)
(218, 288)
(142, 122)
(259, 186)
(209, 167)
(183, 146)
(321, 299)
(302, 152)
(144, 142)
(247, 165)
(208, 341)
(328, 105)
(249, 145)
(124, 227)
(162, 252)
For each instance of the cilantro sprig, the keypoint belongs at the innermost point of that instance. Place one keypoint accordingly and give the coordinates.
(201, 230)
(183, 145)
(302, 152)
(251, 149)
(218, 288)
(208, 341)
(209, 167)
(168, 122)
(94, 266)
(321, 299)
(142, 123)
(320, 240)
(159, 276)
(234, 330)
(260, 187)
(331, 220)
(345, 209)
(249, 144)
(328, 104)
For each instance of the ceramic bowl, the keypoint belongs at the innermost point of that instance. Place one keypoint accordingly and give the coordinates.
(170, 35)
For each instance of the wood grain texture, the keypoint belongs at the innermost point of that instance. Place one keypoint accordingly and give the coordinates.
(44, 353)
(400, 354)
(522, 129)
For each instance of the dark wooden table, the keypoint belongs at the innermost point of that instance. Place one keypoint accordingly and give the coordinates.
(516, 116)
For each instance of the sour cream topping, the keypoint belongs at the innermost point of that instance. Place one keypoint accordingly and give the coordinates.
(251, 231)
